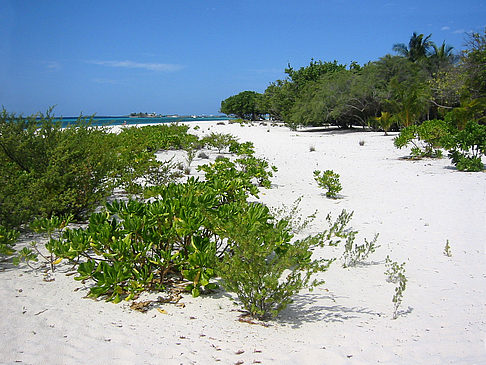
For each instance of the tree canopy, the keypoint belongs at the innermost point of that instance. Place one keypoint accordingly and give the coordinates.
(244, 105)
(423, 81)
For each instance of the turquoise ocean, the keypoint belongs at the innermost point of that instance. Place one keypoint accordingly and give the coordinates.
(107, 121)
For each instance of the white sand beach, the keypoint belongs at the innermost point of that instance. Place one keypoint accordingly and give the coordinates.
(415, 206)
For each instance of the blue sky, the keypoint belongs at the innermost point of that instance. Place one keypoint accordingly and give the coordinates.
(185, 56)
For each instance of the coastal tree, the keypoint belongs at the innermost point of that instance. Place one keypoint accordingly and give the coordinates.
(245, 105)
(418, 48)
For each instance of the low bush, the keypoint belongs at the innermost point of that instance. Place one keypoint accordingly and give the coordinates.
(328, 180)
(219, 141)
(426, 139)
(46, 170)
(467, 146)
(265, 267)
(8, 238)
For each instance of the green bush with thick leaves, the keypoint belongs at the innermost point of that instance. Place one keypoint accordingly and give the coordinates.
(426, 139)
(467, 146)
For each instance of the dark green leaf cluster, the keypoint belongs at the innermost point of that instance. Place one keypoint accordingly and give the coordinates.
(245, 105)
(8, 238)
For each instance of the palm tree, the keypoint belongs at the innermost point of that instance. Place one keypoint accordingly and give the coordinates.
(442, 56)
(419, 47)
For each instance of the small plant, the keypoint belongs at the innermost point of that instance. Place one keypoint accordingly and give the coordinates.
(312, 149)
(190, 154)
(353, 253)
(385, 121)
(447, 249)
(219, 141)
(49, 227)
(396, 274)
(328, 180)
(7, 241)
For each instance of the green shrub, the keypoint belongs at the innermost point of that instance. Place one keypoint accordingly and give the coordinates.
(426, 139)
(46, 170)
(8, 238)
(328, 180)
(265, 267)
(467, 146)
(219, 141)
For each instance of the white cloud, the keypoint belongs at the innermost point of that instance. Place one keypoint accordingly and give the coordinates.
(53, 65)
(445, 28)
(165, 67)
(459, 31)
(106, 81)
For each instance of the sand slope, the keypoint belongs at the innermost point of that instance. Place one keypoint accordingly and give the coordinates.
(415, 206)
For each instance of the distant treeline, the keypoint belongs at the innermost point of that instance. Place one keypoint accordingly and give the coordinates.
(423, 81)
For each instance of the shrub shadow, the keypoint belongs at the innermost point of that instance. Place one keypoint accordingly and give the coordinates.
(309, 308)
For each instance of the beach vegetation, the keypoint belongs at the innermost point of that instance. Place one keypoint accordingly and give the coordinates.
(8, 238)
(47, 170)
(447, 249)
(244, 105)
(426, 139)
(328, 180)
(384, 121)
(467, 146)
(395, 274)
(354, 253)
(265, 266)
(219, 141)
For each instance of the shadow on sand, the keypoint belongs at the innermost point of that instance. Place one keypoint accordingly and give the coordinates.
(311, 308)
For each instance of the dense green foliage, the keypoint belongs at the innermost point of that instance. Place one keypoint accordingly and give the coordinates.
(423, 82)
(8, 238)
(245, 105)
(46, 170)
(425, 138)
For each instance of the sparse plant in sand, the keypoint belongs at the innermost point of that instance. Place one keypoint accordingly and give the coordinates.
(353, 253)
(219, 141)
(48, 227)
(396, 274)
(312, 148)
(328, 180)
(447, 249)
